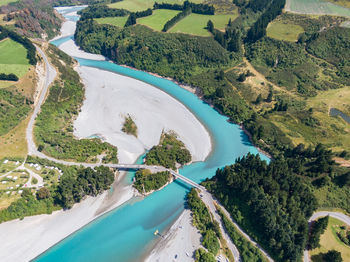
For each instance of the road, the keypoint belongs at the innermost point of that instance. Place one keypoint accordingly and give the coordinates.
(340, 216)
(209, 202)
(50, 77)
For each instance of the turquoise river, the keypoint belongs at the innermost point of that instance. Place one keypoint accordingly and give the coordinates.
(126, 233)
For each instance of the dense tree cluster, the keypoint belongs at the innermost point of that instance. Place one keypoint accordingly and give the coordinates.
(203, 256)
(258, 30)
(133, 16)
(317, 229)
(176, 19)
(31, 51)
(168, 153)
(203, 9)
(98, 11)
(273, 199)
(8, 77)
(87, 182)
(145, 181)
(230, 39)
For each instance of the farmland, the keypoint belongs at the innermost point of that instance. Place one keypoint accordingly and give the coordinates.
(329, 240)
(316, 7)
(284, 31)
(195, 24)
(139, 5)
(157, 20)
(13, 58)
(5, 2)
(116, 21)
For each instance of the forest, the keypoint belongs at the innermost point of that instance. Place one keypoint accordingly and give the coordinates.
(98, 11)
(269, 201)
(173, 55)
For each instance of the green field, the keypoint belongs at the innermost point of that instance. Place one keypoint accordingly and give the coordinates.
(139, 5)
(116, 21)
(13, 58)
(316, 7)
(329, 240)
(284, 31)
(5, 2)
(158, 19)
(195, 24)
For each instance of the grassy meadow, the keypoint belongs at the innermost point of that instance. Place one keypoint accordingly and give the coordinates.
(13, 58)
(158, 19)
(317, 7)
(329, 240)
(116, 21)
(284, 31)
(6, 2)
(139, 5)
(195, 24)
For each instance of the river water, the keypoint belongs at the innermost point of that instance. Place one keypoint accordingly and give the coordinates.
(126, 234)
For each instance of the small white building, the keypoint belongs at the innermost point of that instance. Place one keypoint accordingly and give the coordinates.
(5, 161)
(20, 191)
(3, 182)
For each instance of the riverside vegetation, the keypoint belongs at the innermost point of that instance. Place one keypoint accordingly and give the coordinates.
(275, 89)
(54, 125)
(146, 181)
(75, 183)
(169, 153)
(209, 229)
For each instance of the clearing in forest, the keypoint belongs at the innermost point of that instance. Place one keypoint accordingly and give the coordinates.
(118, 21)
(284, 31)
(158, 19)
(195, 24)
